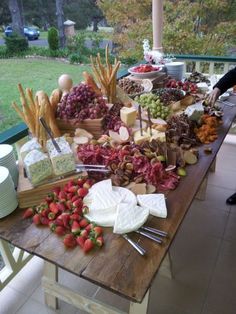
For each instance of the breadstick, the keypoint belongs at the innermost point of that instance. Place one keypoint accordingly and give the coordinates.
(29, 118)
(30, 97)
(115, 69)
(17, 109)
(37, 118)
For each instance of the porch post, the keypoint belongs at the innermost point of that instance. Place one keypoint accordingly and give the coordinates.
(157, 24)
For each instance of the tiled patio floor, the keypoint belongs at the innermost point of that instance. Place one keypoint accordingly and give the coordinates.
(203, 256)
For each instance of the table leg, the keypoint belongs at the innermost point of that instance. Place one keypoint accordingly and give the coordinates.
(201, 194)
(166, 267)
(140, 308)
(51, 272)
(213, 166)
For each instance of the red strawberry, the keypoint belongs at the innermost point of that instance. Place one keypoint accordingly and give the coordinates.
(61, 207)
(78, 210)
(78, 203)
(69, 196)
(53, 208)
(60, 231)
(66, 219)
(62, 195)
(72, 189)
(75, 216)
(52, 226)
(88, 183)
(51, 216)
(49, 198)
(99, 241)
(45, 212)
(84, 233)
(80, 182)
(37, 219)
(80, 240)
(44, 221)
(28, 213)
(88, 245)
(83, 223)
(74, 198)
(59, 222)
(69, 204)
(71, 183)
(75, 228)
(82, 192)
(85, 209)
(89, 227)
(97, 231)
(56, 190)
(69, 240)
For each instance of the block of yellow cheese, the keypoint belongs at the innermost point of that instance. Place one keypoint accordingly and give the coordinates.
(139, 139)
(128, 115)
(157, 135)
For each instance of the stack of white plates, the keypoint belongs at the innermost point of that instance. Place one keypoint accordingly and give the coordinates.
(7, 159)
(8, 199)
(175, 70)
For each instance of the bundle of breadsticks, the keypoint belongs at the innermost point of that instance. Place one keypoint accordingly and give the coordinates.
(32, 108)
(106, 75)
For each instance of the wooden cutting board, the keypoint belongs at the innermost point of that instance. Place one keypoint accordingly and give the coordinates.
(29, 196)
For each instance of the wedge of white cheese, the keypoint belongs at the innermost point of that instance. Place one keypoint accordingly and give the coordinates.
(63, 162)
(103, 200)
(155, 203)
(29, 146)
(38, 166)
(194, 112)
(129, 218)
(104, 217)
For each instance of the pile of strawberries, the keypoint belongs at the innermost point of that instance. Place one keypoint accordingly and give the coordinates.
(186, 86)
(63, 210)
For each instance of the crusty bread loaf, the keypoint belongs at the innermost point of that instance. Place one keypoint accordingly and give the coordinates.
(89, 80)
(55, 99)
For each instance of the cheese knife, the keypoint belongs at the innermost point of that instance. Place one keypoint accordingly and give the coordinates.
(49, 132)
(134, 245)
(149, 236)
(155, 231)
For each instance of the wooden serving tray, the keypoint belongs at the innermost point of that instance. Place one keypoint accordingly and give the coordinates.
(29, 196)
(93, 126)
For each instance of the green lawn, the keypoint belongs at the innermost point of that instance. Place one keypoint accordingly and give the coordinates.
(36, 74)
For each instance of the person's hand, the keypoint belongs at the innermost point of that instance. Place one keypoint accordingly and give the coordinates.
(213, 96)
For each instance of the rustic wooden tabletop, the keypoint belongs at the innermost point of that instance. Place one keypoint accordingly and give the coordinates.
(117, 266)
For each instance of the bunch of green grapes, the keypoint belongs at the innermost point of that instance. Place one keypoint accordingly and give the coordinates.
(152, 101)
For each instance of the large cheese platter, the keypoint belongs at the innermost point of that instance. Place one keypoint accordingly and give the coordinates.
(138, 150)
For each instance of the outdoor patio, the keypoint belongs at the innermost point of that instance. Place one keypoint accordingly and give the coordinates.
(203, 282)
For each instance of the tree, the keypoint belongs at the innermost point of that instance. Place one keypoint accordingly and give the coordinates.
(5, 16)
(190, 27)
(16, 16)
(60, 22)
(83, 12)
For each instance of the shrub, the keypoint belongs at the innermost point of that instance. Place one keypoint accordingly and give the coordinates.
(77, 58)
(16, 44)
(76, 44)
(53, 39)
(3, 53)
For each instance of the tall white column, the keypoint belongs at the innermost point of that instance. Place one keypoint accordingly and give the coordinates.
(157, 24)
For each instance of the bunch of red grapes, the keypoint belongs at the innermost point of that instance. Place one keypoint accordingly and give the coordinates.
(81, 103)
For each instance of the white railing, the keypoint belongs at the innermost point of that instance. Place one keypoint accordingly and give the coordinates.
(14, 260)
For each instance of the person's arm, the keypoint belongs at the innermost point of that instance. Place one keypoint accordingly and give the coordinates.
(227, 81)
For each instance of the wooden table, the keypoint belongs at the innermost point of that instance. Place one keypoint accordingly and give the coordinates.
(117, 266)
